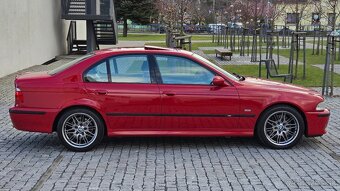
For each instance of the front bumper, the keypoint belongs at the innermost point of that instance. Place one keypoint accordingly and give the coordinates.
(317, 122)
(33, 120)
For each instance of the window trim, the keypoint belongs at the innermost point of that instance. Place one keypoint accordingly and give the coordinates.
(153, 79)
(159, 75)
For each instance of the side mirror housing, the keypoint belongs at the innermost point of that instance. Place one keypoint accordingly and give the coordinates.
(218, 81)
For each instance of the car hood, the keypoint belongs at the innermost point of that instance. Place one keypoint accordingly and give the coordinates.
(267, 84)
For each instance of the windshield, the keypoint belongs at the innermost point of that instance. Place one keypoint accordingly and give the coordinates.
(69, 64)
(216, 67)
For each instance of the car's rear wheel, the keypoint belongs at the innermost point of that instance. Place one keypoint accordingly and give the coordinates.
(280, 127)
(80, 129)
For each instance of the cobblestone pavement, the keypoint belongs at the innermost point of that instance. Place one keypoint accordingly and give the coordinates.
(34, 161)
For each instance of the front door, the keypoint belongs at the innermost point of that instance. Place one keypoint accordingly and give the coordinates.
(130, 98)
(190, 102)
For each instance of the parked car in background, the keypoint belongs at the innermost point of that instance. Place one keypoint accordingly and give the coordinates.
(156, 91)
(235, 25)
(215, 28)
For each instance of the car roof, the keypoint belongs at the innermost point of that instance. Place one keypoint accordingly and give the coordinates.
(145, 49)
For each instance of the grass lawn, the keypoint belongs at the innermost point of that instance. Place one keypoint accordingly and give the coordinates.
(314, 75)
(310, 59)
(156, 37)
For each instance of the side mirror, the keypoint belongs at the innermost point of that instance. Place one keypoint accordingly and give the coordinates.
(218, 81)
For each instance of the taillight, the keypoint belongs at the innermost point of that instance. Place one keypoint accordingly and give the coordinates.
(19, 96)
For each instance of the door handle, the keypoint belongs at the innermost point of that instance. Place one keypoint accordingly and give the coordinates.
(101, 92)
(168, 93)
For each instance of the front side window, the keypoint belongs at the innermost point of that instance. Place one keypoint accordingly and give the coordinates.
(178, 70)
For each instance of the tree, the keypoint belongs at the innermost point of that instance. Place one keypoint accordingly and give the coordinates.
(198, 12)
(174, 11)
(275, 11)
(252, 11)
(139, 11)
(168, 13)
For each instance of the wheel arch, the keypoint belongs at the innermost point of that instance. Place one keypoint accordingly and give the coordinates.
(55, 122)
(283, 104)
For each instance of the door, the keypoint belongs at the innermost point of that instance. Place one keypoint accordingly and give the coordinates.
(126, 91)
(190, 102)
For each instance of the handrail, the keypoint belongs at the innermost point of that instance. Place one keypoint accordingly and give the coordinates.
(71, 35)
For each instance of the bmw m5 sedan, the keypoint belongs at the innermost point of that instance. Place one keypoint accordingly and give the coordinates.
(155, 91)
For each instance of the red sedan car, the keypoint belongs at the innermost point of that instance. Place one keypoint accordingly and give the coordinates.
(155, 91)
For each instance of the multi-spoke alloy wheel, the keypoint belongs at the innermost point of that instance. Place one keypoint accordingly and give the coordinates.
(280, 127)
(80, 129)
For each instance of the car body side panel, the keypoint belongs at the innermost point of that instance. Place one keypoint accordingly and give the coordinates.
(128, 107)
(258, 99)
(200, 108)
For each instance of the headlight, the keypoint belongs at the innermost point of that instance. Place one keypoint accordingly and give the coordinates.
(321, 106)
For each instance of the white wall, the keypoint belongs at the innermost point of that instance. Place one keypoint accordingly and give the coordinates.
(31, 33)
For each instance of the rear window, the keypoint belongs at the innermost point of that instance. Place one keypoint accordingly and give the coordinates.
(69, 64)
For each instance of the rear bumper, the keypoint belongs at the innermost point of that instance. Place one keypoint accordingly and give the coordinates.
(32, 119)
(317, 122)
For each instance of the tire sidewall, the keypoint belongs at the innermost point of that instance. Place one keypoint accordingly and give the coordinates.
(260, 126)
(100, 129)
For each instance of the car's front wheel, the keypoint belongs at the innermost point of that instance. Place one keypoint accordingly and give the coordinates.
(80, 129)
(280, 127)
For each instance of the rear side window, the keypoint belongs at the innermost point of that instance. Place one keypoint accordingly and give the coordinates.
(120, 69)
(130, 69)
(98, 73)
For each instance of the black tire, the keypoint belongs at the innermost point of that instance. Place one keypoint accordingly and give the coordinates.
(279, 123)
(80, 129)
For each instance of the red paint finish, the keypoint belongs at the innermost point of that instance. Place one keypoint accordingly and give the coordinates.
(132, 109)
(133, 99)
(205, 108)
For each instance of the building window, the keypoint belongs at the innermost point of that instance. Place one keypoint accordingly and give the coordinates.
(331, 18)
(292, 18)
(315, 18)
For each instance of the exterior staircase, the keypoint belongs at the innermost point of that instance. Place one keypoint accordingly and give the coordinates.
(99, 13)
(77, 7)
(104, 32)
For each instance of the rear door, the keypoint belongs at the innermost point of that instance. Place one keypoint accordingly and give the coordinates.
(125, 88)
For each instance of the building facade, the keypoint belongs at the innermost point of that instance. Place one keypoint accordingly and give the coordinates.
(309, 13)
(31, 32)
